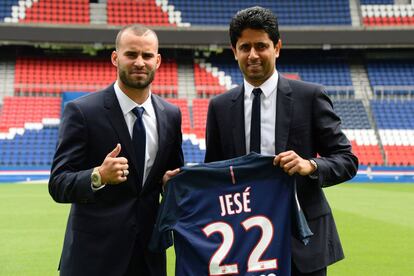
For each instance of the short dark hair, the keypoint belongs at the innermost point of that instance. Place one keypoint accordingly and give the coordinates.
(137, 29)
(256, 18)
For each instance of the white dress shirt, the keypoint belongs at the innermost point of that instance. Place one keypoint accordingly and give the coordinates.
(150, 123)
(267, 114)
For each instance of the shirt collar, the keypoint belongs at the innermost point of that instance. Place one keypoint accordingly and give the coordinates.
(127, 104)
(267, 87)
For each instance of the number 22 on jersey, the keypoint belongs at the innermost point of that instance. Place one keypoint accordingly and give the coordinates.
(254, 264)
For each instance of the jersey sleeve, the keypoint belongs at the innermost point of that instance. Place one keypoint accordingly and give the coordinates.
(300, 226)
(162, 235)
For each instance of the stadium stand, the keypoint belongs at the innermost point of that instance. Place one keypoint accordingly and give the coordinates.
(208, 80)
(358, 129)
(121, 12)
(300, 12)
(32, 149)
(391, 77)
(200, 107)
(379, 122)
(384, 13)
(188, 13)
(395, 122)
(49, 76)
(334, 74)
(183, 105)
(45, 76)
(46, 11)
(20, 110)
(221, 72)
(28, 132)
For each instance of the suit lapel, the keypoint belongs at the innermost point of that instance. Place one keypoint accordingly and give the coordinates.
(237, 111)
(116, 117)
(284, 108)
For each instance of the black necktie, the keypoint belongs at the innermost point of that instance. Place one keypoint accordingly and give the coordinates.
(255, 123)
(139, 140)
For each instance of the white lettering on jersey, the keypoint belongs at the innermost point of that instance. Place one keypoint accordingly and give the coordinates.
(236, 203)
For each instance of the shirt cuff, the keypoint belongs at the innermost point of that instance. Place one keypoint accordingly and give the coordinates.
(97, 189)
(315, 174)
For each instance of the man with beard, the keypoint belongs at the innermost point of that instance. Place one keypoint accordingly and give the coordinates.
(113, 150)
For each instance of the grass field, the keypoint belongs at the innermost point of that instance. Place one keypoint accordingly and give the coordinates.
(375, 221)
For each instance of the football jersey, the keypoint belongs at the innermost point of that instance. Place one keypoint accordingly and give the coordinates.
(229, 217)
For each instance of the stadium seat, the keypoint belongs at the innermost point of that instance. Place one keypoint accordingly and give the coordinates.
(52, 76)
(147, 12)
(299, 12)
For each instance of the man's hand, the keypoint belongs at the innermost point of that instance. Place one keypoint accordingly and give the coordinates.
(292, 163)
(114, 169)
(168, 175)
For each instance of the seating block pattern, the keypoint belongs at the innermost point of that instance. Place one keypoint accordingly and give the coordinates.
(58, 11)
(20, 110)
(299, 12)
(46, 76)
(122, 12)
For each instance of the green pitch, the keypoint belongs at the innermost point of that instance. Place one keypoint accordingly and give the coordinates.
(375, 221)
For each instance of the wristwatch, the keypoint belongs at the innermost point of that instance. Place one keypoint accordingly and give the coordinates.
(314, 164)
(96, 178)
(314, 174)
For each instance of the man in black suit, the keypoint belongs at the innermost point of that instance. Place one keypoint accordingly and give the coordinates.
(291, 119)
(113, 150)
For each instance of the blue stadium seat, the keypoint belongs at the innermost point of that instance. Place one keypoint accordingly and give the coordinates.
(33, 149)
(300, 12)
(391, 77)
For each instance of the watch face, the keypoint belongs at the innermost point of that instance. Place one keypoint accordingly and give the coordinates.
(95, 178)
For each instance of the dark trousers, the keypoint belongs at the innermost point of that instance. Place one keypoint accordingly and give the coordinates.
(144, 262)
(296, 272)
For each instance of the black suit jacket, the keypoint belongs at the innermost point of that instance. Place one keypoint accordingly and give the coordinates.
(103, 225)
(307, 124)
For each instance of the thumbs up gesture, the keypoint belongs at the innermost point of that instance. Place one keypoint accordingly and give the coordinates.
(114, 169)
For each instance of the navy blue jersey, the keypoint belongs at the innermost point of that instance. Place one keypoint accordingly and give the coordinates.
(229, 217)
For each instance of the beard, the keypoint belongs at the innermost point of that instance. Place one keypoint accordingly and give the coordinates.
(136, 83)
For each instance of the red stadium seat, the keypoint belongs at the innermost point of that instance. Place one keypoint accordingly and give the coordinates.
(64, 12)
(121, 12)
(53, 76)
(19, 110)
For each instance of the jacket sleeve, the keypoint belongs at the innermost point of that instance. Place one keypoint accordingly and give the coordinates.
(178, 156)
(213, 145)
(336, 162)
(69, 181)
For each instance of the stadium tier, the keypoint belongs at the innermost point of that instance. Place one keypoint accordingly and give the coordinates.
(395, 122)
(17, 111)
(32, 149)
(391, 77)
(220, 73)
(207, 80)
(387, 14)
(46, 11)
(200, 13)
(121, 12)
(356, 125)
(170, 13)
(384, 138)
(47, 76)
(300, 12)
(185, 114)
(28, 132)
